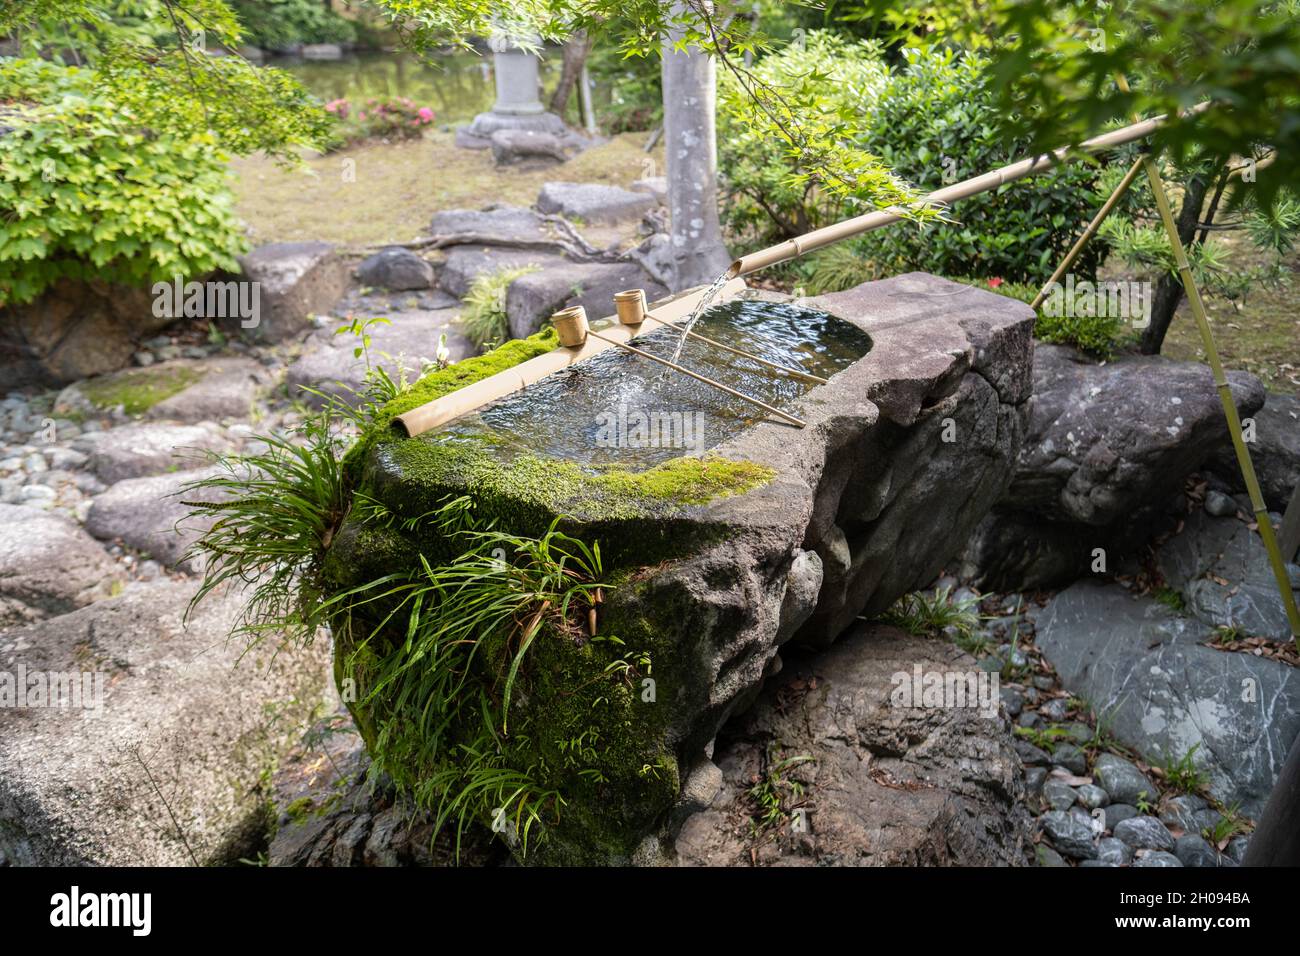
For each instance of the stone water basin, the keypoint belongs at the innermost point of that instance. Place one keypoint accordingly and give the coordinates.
(713, 561)
(619, 410)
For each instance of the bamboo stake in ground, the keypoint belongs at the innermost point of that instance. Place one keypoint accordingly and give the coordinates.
(1225, 391)
(1088, 233)
(771, 410)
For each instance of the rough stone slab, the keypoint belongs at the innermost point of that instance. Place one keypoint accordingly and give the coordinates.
(135, 451)
(466, 263)
(48, 564)
(1275, 452)
(178, 701)
(72, 331)
(1163, 692)
(518, 147)
(532, 299)
(147, 514)
(395, 269)
(499, 225)
(887, 786)
(1107, 449)
(329, 365)
(228, 389)
(1106, 439)
(594, 203)
(296, 280)
(1222, 569)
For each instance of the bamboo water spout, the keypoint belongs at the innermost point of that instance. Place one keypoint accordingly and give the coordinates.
(793, 248)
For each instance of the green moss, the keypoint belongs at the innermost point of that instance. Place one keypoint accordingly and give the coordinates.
(466, 372)
(138, 390)
(532, 488)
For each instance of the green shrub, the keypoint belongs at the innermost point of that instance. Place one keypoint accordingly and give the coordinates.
(932, 120)
(484, 320)
(88, 193)
(282, 24)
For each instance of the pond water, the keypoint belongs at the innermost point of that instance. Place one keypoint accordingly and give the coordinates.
(617, 410)
(455, 86)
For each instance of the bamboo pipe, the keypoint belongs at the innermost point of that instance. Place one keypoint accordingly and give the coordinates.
(770, 409)
(477, 394)
(631, 311)
(969, 187)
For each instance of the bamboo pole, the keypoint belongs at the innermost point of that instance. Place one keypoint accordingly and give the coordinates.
(962, 190)
(1088, 233)
(1247, 467)
(770, 409)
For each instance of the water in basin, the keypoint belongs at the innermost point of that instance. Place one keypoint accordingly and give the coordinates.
(617, 409)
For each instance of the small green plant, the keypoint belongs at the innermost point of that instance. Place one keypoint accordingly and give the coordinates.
(484, 320)
(1183, 775)
(774, 797)
(1144, 804)
(1045, 738)
(924, 613)
(1228, 634)
(1230, 823)
(1170, 598)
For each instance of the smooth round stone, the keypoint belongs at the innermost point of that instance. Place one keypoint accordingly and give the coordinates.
(1091, 796)
(1143, 833)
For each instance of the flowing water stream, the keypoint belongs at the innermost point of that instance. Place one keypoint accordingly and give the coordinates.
(617, 410)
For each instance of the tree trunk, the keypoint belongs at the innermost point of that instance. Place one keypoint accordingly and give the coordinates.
(1276, 840)
(1169, 287)
(690, 143)
(576, 51)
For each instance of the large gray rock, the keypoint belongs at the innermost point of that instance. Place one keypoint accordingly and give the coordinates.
(464, 264)
(594, 203)
(228, 389)
(395, 269)
(533, 298)
(529, 148)
(135, 451)
(296, 280)
(1223, 572)
(494, 225)
(147, 514)
(903, 453)
(328, 363)
(1107, 448)
(1275, 452)
(1163, 692)
(48, 565)
(169, 769)
(72, 331)
(478, 134)
(885, 785)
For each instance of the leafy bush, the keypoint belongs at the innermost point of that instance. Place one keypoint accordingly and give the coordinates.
(933, 121)
(391, 118)
(282, 24)
(89, 193)
(484, 320)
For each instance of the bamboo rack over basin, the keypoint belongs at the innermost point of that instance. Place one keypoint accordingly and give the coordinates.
(511, 380)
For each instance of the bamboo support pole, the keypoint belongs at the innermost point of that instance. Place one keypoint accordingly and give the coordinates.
(770, 409)
(1247, 467)
(1088, 233)
(962, 190)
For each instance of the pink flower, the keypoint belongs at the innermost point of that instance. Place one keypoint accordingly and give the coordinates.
(361, 115)
(426, 115)
(994, 282)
